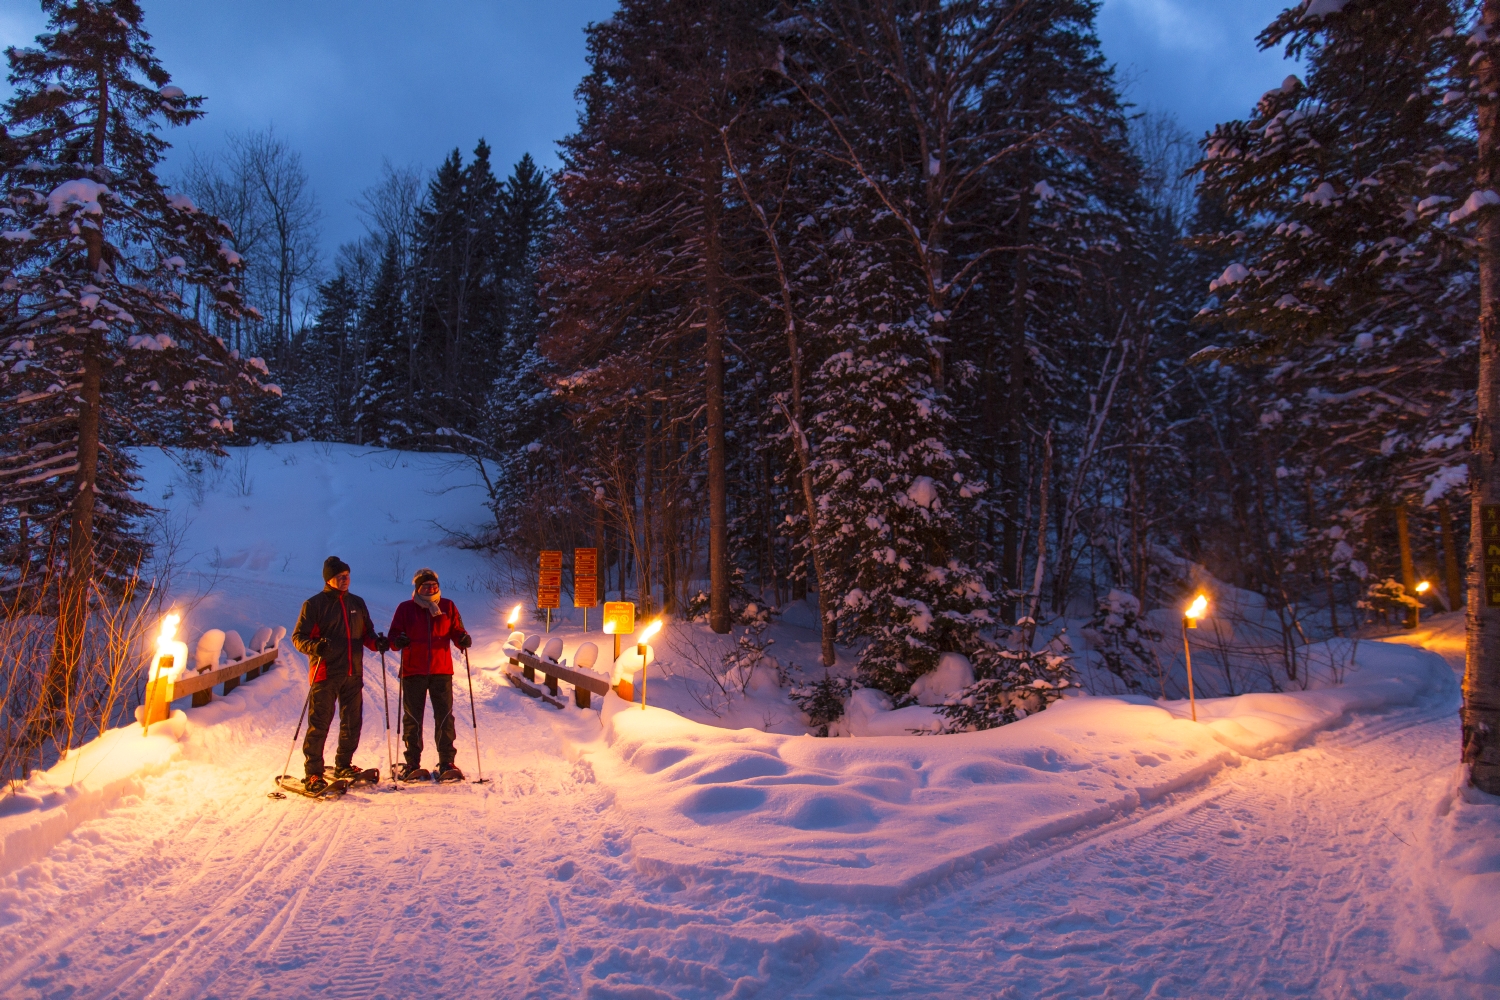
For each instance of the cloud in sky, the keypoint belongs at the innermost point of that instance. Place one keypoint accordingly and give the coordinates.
(1195, 58)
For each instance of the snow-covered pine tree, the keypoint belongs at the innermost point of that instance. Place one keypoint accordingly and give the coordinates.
(1122, 638)
(893, 496)
(100, 351)
(1350, 274)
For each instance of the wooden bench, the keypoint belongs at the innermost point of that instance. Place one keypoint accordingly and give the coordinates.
(585, 683)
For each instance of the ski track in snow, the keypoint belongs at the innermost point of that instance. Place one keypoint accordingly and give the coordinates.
(1293, 876)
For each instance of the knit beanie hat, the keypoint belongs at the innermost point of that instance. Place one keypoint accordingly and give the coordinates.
(423, 575)
(332, 567)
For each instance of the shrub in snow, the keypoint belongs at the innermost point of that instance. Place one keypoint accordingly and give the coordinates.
(1013, 683)
(1387, 595)
(822, 701)
(1123, 639)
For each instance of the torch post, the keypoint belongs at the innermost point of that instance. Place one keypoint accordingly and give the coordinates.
(1190, 616)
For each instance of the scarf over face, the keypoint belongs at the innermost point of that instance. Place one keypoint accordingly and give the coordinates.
(430, 603)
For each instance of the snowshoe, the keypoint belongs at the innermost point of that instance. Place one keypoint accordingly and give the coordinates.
(312, 787)
(409, 773)
(358, 775)
(447, 772)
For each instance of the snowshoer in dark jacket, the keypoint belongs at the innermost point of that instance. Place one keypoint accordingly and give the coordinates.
(333, 630)
(421, 629)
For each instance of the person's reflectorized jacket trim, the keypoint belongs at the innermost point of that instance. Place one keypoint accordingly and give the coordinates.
(344, 621)
(429, 636)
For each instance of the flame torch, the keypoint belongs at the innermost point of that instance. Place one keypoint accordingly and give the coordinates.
(641, 648)
(1190, 617)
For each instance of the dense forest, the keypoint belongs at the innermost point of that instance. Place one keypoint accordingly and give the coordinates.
(901, 306)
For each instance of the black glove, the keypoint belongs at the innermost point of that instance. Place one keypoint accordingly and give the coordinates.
(463, 640)
(382, 644)
(399, 641)
(320, 649)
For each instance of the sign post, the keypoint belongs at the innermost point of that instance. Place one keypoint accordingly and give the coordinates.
(619, 619)
(549, 583)
(585, 581)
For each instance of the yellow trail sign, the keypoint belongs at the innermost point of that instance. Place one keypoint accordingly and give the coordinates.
(619, 617)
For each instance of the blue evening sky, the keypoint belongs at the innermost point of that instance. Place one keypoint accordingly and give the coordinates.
(352, 82)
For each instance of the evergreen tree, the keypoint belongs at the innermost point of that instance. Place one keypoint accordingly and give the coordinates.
(102, 351)
(383, 404)
(1352, 268)
(455, 295)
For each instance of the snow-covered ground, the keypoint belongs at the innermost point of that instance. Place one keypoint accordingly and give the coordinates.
(1311, 844)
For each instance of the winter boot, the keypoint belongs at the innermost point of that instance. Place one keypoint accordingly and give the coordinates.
(412, 772)
(315, 784)
(448, 772)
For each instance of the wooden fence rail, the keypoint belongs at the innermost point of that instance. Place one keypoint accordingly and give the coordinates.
(161, 693)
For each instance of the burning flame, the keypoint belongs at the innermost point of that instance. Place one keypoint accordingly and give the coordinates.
(1197, 608)
(1423, 587)
(515, 616)
(648, 632)
(168, 630)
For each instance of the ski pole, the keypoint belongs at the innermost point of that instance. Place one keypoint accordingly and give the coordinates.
(300, 715)
(385, 694)
(473, 720)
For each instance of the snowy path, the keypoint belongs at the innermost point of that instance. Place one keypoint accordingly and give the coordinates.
(1300, 875)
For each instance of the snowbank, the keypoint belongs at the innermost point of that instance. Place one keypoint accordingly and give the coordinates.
(841, 816)
(38, 813)
(1466, 851)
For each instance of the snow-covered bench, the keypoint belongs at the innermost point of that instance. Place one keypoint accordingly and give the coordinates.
(522, 651)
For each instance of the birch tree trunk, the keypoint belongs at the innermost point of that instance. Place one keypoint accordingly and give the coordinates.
(1481, 710)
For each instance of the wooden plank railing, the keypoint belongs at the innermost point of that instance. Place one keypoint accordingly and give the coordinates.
(161, 693)
(585, 682)
(201, 686)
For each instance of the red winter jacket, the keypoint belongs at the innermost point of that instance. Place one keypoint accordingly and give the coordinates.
(429, 635)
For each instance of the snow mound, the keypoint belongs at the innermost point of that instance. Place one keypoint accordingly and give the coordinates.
(953, 674)
(840, 816)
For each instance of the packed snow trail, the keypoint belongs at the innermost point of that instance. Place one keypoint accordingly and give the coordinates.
(1299, 875)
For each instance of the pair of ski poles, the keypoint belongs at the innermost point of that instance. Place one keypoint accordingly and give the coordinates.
(473, 718)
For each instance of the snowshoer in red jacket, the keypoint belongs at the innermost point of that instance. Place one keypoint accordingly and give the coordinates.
(333, 630)
(421, 629)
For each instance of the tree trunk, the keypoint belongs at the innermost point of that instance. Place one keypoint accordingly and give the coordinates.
(648, 595)
(718, 486)
(72, 611)
(1451, 577)
(1011, 555)
(1403, 540)
(1481, 711)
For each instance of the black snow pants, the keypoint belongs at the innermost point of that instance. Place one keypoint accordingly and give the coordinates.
(348, 694)
(415, 691)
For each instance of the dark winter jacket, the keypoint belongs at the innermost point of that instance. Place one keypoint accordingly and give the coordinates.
(334, 629)
(429, 636)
